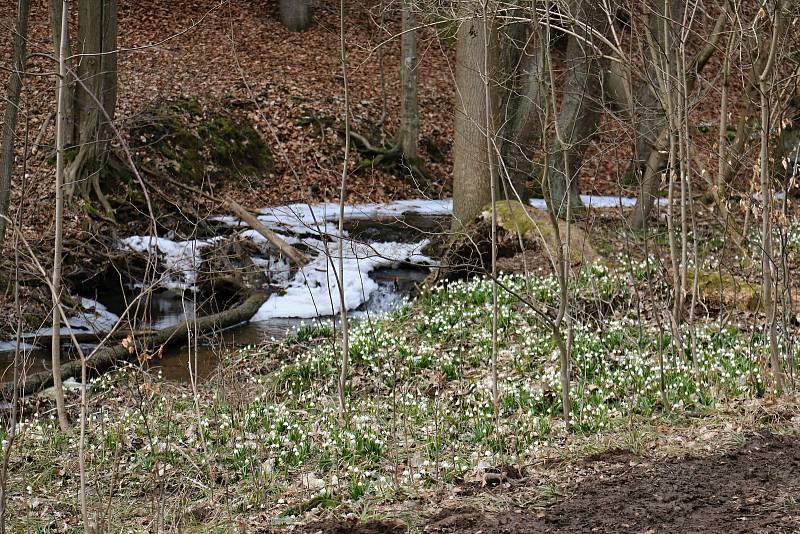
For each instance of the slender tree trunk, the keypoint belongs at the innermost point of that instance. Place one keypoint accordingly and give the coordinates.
(665, 18)
(345, 363)
(70, 127)
(296, 15)
(650, 108)
(647, 109)
(768, 262)
(490, 147)
(59, 220)
(471, 162)
(409, 115)
(96, 96)
(12, 107)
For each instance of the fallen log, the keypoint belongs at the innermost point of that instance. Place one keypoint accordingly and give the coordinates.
(44, 341)
(132, 347)
(292, 253)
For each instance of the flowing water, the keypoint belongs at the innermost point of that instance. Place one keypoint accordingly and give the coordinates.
(389, 286)
(383, 265)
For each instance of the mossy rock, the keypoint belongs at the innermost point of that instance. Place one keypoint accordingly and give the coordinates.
(520, 230)
(536, 229)
(722, 290)
(193, 143)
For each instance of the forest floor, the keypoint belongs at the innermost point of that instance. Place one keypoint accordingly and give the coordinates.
(262, 446)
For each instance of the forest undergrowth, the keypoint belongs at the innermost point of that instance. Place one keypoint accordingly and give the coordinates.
(263, 442)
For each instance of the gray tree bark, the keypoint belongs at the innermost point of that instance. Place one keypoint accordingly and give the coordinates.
(523, 107)
(471, 162)
(69, 128)
(12, 107)
(96, 96)
(55, 347)
(648, 109)
(580, 110)
(296, 15)
(409, 115)
(652, 132)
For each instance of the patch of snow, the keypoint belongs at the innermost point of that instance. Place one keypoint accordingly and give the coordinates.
(310, 219)
(777, 195)
(71, 384)
(93, 317)
(11, 346)
(314, 290)
(181, 258)
(305, 219)
(599, 202)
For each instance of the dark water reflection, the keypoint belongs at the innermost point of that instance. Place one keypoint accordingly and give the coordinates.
(167, 308)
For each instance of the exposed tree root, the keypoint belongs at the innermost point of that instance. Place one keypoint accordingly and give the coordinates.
(391, 157)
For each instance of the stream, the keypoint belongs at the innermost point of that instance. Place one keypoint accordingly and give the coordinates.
(383, 265)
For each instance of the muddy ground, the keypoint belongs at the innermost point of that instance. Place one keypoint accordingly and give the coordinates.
(753, 489)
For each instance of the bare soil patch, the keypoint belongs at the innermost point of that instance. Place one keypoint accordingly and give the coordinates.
(753, 489)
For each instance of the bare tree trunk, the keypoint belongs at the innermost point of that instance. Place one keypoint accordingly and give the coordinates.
(524, 105)
(296, 15)
(647, 105)
(12, 106)
(562, 263)
(768, 262)
(69, 127)
(96, 96)
(409, 115)
(471, 161)
(345, 363)
(59, 221)
(490, 148)
(580, 107)
(661, 26)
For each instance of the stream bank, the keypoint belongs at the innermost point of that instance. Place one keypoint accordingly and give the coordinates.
(384, 263)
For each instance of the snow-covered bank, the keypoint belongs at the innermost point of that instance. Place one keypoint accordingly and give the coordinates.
(313, 290)
(92, 317)
(315, 218)
(181, 258)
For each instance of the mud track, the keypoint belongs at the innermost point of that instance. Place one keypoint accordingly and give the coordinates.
(753, 489)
